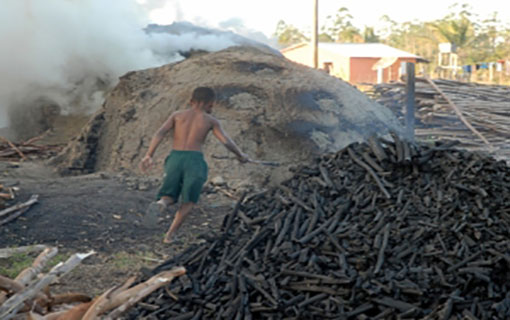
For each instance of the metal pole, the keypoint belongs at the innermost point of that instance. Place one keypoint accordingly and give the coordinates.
(410, 98)
(315, 34)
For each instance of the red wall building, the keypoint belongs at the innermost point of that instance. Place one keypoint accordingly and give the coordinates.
(356, 63)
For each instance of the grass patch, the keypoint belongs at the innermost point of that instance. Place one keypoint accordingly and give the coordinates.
(60, 257)
(125, 261)
(12, 266)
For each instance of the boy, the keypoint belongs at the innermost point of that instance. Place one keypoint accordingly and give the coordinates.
(185, 168)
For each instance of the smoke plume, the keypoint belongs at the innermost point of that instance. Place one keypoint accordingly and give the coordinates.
(65, 54)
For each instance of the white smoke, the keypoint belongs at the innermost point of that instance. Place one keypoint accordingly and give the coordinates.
(62, 49)
(163, 43)
(70, 52)
(238, 26)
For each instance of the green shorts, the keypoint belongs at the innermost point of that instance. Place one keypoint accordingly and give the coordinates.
(185, 175)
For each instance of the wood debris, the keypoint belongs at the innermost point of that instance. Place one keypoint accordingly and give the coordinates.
(8, 252)
(6, 194)
(28, 297)
(484, 107)
(11, 213)
(10, 151)
(386, 230)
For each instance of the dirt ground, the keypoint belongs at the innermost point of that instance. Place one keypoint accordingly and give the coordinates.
(100, 212)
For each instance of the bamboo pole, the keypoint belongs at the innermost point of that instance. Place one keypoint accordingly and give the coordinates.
(457, 111)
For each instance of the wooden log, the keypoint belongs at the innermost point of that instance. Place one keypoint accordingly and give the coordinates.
(64, 299)
(76, 313)
(100, 303)
(457, 111)
(10, 307)
(6, 196)
(396, 304)
(370, 171)
(10, 286)
(9, 252)
(380, 256)
(377, 149)
(33, 200)
(18, 151)
(26, 276)
(128, 297)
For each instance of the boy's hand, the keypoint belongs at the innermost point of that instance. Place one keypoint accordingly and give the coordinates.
(146, 163)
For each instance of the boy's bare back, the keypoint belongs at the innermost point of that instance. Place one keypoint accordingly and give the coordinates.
(191, 128)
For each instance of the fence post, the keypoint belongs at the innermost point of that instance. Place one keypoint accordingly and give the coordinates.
(410, 100)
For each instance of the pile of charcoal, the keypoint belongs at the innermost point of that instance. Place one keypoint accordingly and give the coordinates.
(382, 230)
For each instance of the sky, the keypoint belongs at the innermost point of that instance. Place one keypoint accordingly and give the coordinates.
(59, 48)
(263, 15)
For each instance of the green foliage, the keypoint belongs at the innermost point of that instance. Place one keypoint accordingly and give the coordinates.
(456, 27)
(288, 35)
(369, 35)
(477, 40)
(324, 37)
(340, 28)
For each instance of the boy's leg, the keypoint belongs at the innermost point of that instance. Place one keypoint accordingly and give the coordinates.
(194, 177)
(179, 218)
(168, 193)
(166, 201)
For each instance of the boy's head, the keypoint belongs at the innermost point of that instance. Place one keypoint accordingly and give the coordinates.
(203, 97)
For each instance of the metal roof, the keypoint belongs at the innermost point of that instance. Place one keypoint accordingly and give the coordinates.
(366, 50)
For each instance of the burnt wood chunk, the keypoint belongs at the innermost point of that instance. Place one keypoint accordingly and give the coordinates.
(379, 230)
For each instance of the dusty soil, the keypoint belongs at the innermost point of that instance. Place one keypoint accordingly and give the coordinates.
(100, 212)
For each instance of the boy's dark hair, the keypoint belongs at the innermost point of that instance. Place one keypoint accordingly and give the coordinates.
(203, 94)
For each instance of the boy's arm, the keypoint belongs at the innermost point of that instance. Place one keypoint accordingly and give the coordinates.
(156, 140)
(227, 142)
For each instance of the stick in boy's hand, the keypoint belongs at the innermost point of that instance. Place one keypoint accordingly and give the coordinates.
(261, 162)
(266, 163)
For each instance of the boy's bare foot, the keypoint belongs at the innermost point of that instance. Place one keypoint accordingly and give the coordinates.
(169, 238)
(150, 220)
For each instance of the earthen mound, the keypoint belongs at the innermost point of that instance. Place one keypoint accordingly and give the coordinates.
(273, 108)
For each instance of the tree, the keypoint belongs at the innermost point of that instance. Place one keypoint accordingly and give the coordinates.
(477, 40)
(340, 27)
(456, 27)
(369, 35)
(288, 34)
(324, 36)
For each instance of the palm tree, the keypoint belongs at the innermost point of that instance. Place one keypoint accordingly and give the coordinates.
(456, 28)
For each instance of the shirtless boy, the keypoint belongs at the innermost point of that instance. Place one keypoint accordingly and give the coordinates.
(185, 168)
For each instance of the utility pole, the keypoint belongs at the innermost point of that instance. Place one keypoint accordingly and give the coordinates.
(315, 34)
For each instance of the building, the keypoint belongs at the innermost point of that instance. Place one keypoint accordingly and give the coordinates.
(354, 62)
